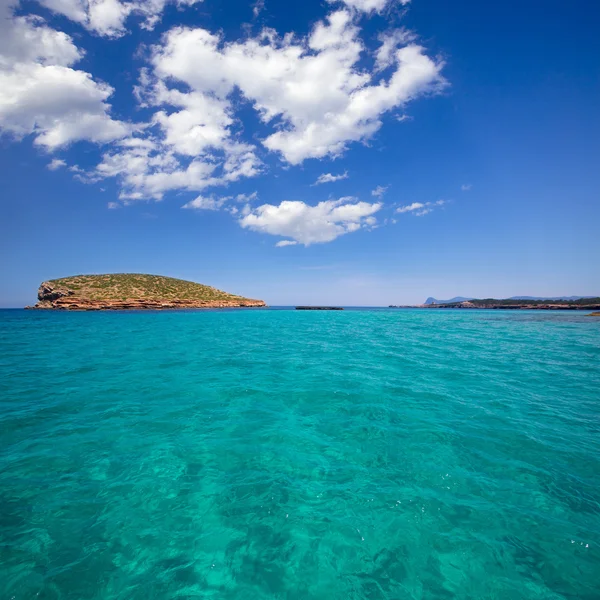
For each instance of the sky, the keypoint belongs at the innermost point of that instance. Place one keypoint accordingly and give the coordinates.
(352, 152)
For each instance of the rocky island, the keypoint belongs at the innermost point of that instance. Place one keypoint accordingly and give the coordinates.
(129, 291)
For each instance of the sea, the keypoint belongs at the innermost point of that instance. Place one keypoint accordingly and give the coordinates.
(277, 454)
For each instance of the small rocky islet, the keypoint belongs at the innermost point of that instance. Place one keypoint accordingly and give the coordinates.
(132, 291)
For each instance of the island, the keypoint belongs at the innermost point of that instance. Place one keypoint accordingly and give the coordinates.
(133, 291)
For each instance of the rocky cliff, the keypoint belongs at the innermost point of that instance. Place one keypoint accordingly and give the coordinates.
(125, 291)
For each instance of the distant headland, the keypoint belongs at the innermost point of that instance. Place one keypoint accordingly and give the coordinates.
(516, 303)
(518, 298)
(130, 291)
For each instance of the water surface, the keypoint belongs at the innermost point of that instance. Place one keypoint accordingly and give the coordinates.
(380, 454)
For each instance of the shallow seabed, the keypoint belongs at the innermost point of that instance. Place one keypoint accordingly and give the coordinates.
(299, 455)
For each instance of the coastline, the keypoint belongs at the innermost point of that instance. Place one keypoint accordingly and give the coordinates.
(495, 305)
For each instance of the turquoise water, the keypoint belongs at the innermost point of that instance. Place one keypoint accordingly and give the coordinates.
(299, 455)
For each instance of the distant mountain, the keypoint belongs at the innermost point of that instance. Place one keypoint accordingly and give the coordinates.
(463, 299)
(452, 300)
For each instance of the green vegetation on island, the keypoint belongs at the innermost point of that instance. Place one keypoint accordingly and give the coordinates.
(133, 290)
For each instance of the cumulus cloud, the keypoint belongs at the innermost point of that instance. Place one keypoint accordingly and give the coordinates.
(311, 90)
(330, 178)
(284, 243)
(466, 187)
(148, 172)
(305, 224)
(108, 17)
(188, 145)
(380, 191)
(390, 41)
(40, 92)
(420, 209)
(148, 167)
(314, 94)
(191, 123)
(57, 104)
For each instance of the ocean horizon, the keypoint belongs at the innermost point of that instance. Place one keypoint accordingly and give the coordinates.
(372, 453)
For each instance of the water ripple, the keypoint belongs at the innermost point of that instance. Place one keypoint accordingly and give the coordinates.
(274, 454)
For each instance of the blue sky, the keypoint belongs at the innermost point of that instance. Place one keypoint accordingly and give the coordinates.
(457, 145)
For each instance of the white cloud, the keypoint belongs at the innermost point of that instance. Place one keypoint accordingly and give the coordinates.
(420, 209)
(330, 178)
(207, 203)
(258, 7)
(369, 6)
(188, 145)
(307, 224)
(56, 164)
(390, 41)
(40, 92)
(148, 168)
(313, 85)
(202, 123)
(284, 243)
(149, 172)
(314, 94)
(310, 90)
(466, 187)
(57, 104)
(108, 17)
(113, 205)
(247, 197)
(410, 207)
(26, 40)
(380, 191)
